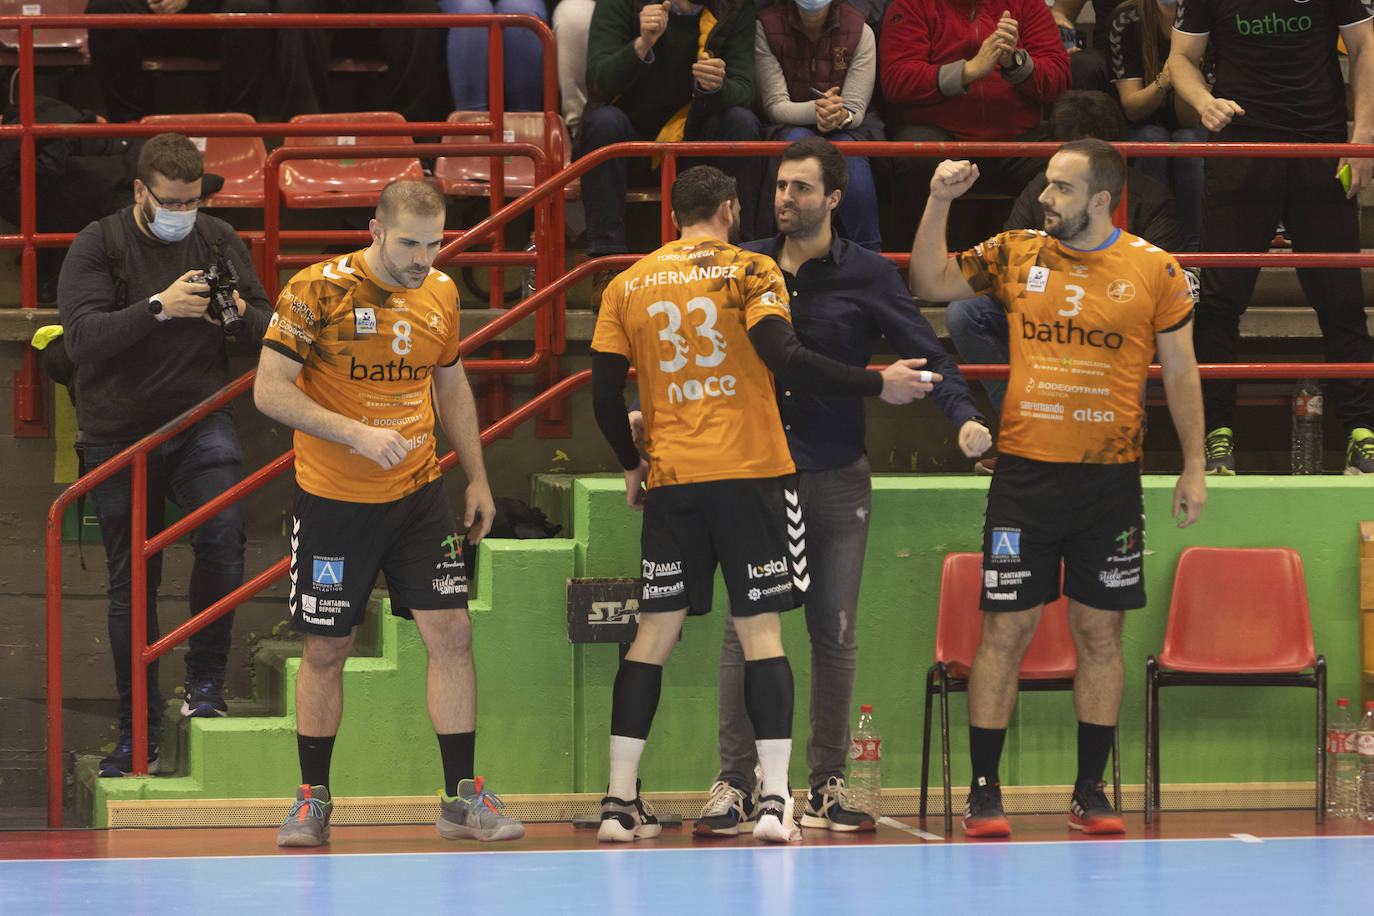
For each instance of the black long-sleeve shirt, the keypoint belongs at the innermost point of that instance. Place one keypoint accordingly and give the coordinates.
(133, 372)
(841, 304)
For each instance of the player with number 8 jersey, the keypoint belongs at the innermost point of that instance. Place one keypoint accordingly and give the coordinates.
(682, 315)
(367, 349)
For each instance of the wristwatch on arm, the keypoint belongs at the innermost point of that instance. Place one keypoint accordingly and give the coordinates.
(156, 310)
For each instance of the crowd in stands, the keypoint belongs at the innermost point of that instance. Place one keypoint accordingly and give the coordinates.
(856, 70)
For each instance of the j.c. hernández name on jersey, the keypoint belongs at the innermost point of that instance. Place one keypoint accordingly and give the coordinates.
(367, 351)
(681, 316)
(1082, 332)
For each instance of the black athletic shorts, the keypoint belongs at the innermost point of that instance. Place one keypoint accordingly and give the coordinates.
(752, 528)
(1092, 516)
(337, 549)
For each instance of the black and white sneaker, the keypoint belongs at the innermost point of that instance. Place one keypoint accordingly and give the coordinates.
(829, 807)
(728, 810)
(626, 821)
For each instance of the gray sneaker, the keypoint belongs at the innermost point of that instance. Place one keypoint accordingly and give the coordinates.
(307, 824)
(475, 815)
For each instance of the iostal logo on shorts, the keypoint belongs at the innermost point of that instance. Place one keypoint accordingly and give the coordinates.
(768, 570)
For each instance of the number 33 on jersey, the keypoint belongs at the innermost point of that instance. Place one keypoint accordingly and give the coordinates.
(681, 316)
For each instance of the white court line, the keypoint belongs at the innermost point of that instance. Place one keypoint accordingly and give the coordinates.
(898, 825)
(1247, 838)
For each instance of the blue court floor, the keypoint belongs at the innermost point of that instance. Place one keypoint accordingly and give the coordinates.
(1242, 875)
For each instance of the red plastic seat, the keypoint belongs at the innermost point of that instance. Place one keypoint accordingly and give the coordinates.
(239, 160)
(1238, 617)
(1049, 663)
(470, 176)
(51, 46)
(344, 182)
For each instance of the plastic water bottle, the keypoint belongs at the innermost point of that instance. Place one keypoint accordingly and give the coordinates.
(1307, 428)
(865, 761)
(1364, 743)
(1341, 762)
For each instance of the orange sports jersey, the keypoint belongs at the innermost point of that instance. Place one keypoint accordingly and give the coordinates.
(368, 350)
(681, 316)
(1082, 328)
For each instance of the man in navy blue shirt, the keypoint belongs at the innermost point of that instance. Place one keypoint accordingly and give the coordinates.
(843, 299)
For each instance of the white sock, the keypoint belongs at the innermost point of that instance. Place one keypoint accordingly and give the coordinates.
(774, 756)
(625, 754)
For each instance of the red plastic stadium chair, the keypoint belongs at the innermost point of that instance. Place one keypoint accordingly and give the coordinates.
(1238, 617)
(1049, 662)
(344, 182)
(52, 47)
(470, 176)
(239, 160)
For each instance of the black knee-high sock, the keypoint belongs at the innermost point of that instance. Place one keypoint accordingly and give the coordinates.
(768, 697)
(457, 751)
(1094, 744)
(634, 698)
(315, 755)
(985, 752)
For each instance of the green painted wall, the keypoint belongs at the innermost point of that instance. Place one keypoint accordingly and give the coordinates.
(544, 706)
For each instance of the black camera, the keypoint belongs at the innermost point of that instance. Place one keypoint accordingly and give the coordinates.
(223, 280)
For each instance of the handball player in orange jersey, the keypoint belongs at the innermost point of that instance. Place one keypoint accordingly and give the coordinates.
(1088, 306)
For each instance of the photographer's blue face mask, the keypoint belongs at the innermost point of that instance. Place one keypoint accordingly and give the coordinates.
(811, 6)
(172, 226)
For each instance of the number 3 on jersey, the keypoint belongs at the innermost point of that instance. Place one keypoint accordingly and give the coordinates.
(706, 331)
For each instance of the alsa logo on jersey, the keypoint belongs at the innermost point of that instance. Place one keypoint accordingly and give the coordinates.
(390, 371)
(768, 570)
(1066, 332)
(1084, 415)
(695, 390)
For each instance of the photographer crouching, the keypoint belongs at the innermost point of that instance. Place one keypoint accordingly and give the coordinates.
(148, 335)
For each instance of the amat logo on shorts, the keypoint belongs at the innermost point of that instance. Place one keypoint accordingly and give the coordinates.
(327, 573)
(1006, 544)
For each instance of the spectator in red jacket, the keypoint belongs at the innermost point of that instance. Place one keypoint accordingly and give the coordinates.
(970, 70)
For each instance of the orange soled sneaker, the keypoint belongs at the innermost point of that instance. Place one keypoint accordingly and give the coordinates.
(1090, 811)
(983, 814)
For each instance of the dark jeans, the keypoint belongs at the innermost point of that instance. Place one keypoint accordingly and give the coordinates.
(978, 327)
(836, 506)
(604, 187)
(190, 469)
(117, 55)
(413, 59)
(1244, 202)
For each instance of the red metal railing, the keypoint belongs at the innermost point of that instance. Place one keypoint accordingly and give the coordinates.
(30, 413)
(545, 304)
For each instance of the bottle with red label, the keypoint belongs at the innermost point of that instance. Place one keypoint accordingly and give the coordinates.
(1307, 428)
(1364, 747)
(865, 782)
(1341, 762)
